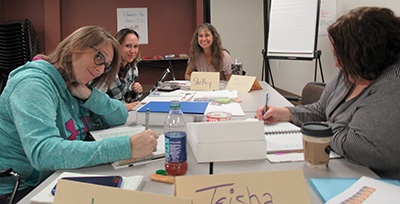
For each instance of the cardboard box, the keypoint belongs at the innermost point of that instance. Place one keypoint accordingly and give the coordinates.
(227, 141)
(288, 186)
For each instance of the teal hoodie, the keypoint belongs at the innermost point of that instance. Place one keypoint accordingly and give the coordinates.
(42, 127)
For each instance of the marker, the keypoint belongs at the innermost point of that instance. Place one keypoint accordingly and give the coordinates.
(162, 178)
(147, 118)
(266, 103)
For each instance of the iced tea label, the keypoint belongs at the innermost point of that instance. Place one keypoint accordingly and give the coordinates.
(175, 147)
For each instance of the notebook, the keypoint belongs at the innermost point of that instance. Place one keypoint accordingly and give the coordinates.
(283, 137)
(45, 196)
(120, 131)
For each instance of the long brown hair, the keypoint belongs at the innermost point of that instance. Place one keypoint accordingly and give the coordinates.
(83, 38)
(216, 47)
(120, 36)
(365, 41)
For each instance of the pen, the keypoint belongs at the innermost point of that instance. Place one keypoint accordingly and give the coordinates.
(266, 102)
(147, 118)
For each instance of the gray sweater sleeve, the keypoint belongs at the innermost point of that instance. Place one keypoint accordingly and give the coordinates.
(366, 129)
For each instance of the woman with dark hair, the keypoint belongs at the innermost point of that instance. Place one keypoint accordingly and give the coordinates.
(361, 103)
(124, 87)
(48, 106)
(207, 54)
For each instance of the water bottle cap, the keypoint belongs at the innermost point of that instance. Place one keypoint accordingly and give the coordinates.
(175, 104)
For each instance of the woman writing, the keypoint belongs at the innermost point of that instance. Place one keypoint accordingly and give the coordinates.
(207, 53)
(46, 110)
(361, 103)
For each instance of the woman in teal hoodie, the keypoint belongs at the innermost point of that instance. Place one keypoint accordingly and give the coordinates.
(47, 107)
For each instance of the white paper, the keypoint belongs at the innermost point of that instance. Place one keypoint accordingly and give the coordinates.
(118, 131)
(45, 196)
(234, 108)
(292, 157)
(136, 19)
(369, 191)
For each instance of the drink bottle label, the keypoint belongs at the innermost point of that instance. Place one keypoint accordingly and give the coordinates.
(175, 147)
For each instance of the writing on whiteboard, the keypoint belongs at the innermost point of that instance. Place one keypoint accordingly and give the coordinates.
(134, 18)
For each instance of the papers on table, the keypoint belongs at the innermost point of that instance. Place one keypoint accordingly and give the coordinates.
(292, 157)
(232, 107)
(368, 190)
(45, 196)
(129, 131)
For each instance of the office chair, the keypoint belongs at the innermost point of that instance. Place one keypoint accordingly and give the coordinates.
(9, 172)
(312, 92)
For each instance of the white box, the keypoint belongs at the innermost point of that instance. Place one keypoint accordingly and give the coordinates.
(227, 141)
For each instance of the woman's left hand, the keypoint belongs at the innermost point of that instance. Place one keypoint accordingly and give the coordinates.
(137, 88)
(80, 91)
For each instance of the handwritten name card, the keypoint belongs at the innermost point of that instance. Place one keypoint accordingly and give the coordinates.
(206, 81)
(243, 83)
(255, 187)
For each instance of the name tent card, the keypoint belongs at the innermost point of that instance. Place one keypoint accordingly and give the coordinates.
(206, 81)
(287, 186)
(243, 83)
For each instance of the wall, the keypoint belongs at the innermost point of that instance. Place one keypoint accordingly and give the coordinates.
(240, 25)
(25, 9)
(241, 36)
(292, 76)
(171, 23)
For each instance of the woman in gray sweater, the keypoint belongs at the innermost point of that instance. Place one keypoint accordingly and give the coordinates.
(361, 103)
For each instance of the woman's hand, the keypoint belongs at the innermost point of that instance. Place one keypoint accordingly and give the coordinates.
(143, 144)
(273, 114)
(137, 88)
(130, 106)
(80, 91)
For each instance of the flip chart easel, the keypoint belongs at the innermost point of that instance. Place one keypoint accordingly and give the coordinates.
(292, 32)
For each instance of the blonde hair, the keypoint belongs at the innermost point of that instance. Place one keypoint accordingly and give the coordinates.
(81, 39)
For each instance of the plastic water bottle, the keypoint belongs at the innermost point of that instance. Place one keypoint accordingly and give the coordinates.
(175, 141)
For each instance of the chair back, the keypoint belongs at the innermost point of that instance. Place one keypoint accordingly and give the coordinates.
(312, 92)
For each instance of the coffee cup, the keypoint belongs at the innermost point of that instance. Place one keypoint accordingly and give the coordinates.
(317, 138)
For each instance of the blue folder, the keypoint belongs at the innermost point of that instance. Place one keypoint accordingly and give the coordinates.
(186, 107)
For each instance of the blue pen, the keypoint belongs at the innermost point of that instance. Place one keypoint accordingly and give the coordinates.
(266, 103)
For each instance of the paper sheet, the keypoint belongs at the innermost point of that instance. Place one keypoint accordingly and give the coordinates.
(232, 107)
(369, 191)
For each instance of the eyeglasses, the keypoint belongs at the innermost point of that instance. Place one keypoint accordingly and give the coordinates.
(99, 59)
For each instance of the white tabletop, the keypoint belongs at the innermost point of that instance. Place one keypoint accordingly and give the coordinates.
(338, 168)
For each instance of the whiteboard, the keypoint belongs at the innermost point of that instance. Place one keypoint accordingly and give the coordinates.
(136, 19)
(293, 28)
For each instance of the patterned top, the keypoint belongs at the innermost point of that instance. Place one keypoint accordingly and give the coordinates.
(121, 89)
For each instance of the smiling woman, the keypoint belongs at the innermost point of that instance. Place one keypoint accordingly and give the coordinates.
(124, 87)
(207, 53)
(51, 132)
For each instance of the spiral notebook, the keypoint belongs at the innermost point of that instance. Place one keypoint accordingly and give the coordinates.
(283, 137)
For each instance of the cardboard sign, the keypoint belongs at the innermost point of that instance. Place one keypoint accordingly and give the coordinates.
(243, 83)
(206, 81)
(78, 192)
(255, 187)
